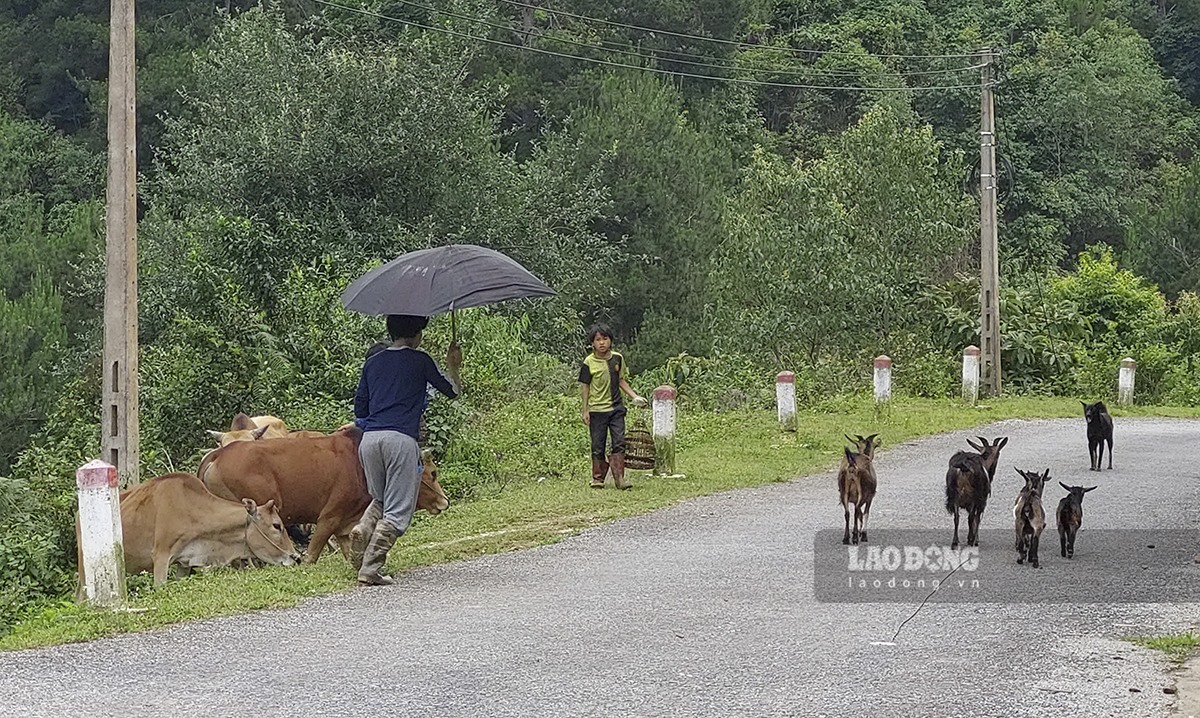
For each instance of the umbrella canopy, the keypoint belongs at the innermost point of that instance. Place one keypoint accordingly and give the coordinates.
(442, 279)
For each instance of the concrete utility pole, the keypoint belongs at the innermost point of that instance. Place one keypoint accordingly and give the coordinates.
(989, 260)
(119, 415)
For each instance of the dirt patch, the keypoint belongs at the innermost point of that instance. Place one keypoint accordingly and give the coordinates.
(1187, 685)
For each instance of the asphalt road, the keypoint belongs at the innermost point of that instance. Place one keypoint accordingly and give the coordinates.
(704, 609)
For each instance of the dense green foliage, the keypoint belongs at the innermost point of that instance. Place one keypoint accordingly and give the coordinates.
(810, 208)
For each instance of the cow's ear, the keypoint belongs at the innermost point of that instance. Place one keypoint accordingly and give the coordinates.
(241, 422)
(269, 505)
(251, 508)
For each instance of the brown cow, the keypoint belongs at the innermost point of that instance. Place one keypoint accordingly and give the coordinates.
(173, 519)
(312, 480)
(245, 428)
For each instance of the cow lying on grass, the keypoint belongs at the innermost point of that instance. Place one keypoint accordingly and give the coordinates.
(174, 520)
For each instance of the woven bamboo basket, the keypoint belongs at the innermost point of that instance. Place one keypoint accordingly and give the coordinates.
(639, 447)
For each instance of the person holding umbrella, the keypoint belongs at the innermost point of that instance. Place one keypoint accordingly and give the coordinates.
(388, 404)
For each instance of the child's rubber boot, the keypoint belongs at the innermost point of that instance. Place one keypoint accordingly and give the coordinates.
(617, 461)
(599, 472)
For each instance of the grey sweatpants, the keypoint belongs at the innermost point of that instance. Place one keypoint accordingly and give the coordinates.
(390, 460)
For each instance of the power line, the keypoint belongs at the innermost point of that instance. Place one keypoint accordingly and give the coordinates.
(723, 66)
(609, 63)
(684, 35)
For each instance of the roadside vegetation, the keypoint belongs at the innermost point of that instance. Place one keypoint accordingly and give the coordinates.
(726, 230)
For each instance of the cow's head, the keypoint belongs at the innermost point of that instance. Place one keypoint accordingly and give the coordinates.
(224, 438)
(431, 498)
(266, 536)
(245, 428)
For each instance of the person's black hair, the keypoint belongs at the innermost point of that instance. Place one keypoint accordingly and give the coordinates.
(375, 349)
(405, 326)
(599, 330)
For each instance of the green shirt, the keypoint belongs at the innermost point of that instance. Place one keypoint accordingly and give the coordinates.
(604, 377)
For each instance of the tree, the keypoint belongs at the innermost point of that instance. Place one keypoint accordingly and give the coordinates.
(1165, 235)
(824, 257)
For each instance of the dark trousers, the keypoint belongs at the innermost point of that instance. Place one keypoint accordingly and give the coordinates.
(604, 424)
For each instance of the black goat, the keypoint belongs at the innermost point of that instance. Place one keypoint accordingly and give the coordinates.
(1070, 517)
(969, 483)
(1029, 517)
(1099, 431)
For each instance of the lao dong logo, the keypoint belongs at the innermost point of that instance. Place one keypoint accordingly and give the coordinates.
(933, 559)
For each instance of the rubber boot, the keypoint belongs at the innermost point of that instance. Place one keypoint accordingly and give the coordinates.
(376, 555)
(617, 461)
(360, 535)
(599, 472)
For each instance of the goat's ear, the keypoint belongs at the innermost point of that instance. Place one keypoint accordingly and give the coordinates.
(1068, 488)
(1092, 488)
(983, 441)
(1085, 405)
(974, 446)
(1000, 443)
(1046, 475)
(848, 438)
(850, 455)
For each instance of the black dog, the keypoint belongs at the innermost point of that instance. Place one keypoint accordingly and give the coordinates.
(1099, 431)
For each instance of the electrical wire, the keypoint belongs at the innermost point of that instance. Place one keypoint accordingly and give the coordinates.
(641, 28)
(680, 53)
(596, 61)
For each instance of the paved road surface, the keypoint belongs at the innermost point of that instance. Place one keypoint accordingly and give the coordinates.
(703, 609)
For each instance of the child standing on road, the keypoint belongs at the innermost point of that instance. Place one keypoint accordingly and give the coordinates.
(604, 376)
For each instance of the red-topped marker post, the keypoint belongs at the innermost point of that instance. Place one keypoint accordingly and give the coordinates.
(883, 379)
(102, 552)
(970, 374)
(664, 431)
(1125, 381)
(785, 399)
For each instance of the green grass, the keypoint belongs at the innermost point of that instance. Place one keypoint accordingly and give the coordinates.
(1178, 647)
(716, 452)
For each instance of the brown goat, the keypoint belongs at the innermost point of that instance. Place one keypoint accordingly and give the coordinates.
(865, 444)
(1028, 516)
(969, 483)
(856, 487)
(1070, 517)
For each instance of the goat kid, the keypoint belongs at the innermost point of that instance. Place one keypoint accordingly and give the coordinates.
(856, 487)
(969, 483)
(1028, 516)
(1099, 432)
(1070, 517)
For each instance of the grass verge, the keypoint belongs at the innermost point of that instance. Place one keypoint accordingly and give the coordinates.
(1178, 646)
(717, 452)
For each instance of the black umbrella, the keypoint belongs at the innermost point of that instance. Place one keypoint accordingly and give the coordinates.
(442, 279)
